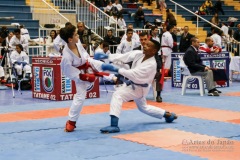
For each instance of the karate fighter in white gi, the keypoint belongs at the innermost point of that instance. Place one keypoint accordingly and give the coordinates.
(77, 65)
(140, 77)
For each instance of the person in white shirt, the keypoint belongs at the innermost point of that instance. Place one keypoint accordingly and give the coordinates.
(113, 20)
(167, 45)
(118, 6)
(18, 39)
(127, 45)
(135, 36)
(216, 38)
(58, 43)
(49, 43)
(121, 22)
(20, 61)
(108, 8)
(24, 32)
(225, 29)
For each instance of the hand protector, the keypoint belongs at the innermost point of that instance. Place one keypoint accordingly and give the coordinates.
(99, 56)
(87, 77)
(109, 67)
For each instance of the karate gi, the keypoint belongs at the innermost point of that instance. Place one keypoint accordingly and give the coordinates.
(140, 73)
(167, 45)
(68, 65)
(22, 57)
(23, 41)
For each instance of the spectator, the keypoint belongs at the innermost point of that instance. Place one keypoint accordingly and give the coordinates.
(121, 22)
(215, 20)
(24, 32)
(170, 20)
(103, 48)
(218, 7)
(185, 40)
(208, 47)
(174, 36)
(134, 36)
(18, 39)
(203, 10)
(113, 21)
(128, 44)
(209, 5)
(230, 41)
(147, 25)
(236, 36)
(111, 40)
(194, 63)
(162, 5)
(139, 16)
(5, 42)
(224, 28)
(108, 8)
(86, 37)
(49, 43)
(217, 38)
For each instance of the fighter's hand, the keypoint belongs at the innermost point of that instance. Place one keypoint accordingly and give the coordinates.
(109, 67)
(99, 56)
(87, 77)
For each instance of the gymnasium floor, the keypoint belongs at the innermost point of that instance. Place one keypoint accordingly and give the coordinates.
(207, 128)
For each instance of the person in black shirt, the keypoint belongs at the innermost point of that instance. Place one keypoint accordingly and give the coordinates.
(185, 40)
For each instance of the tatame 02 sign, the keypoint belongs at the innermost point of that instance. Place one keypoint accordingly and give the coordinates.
(49, 82)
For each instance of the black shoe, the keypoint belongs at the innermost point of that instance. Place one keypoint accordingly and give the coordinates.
(213, 93)
(217, 90)
(158, 99)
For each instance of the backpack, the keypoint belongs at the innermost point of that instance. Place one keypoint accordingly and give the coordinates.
(24, 85)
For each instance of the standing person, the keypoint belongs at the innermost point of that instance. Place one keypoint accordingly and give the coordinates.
(167, 45)
(140, 77)
(185, 40)
(218, 7)
(134, 36)
(139, 16)
(236, 36)
(20, 61)
(18, 39)
(86, 35)
(24, 32)
(158, 57)
(170, 19)
(49, 43)
(128, 44)
(194, 63)
(75, 65)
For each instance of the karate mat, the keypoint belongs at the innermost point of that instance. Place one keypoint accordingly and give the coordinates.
(32, 129)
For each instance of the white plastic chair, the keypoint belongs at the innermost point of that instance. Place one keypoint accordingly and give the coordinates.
(187, 75)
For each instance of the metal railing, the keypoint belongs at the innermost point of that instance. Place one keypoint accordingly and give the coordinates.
(179, 5)
(47, 13)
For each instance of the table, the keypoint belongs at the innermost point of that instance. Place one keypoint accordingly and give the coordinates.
(220, 61)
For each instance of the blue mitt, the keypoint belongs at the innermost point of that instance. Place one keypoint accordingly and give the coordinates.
(109, 67)
(99, 56)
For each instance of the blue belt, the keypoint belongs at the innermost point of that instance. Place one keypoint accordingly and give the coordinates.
(129, 82)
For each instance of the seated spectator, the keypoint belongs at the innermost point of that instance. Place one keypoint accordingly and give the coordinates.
(113, 21)
(20, 61)
(108, 9)
(139, 16)
(203, 10)
(111, 40)
(208, 47)
(49, 43)
(147, 25)
(209, 5)
(170, 20)
(215, 20)
(121, 22)
(218, 7)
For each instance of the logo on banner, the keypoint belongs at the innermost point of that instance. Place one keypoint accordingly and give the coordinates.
(206, 63)
(48, 81)
(220, 64)
(66, 85)
(176, 71)
(36, 71)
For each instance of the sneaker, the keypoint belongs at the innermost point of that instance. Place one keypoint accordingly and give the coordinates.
(70, 126)
(213, 93)
(158, 99)
(217, 90)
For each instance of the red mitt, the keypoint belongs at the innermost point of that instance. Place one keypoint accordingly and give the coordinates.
(87, 77)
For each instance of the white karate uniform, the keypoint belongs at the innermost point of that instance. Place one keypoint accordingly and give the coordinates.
(58, 43)
(135, 37)
(25, 33)
(126, 46)
(50, 49)
(140, 73)
(121, 23)
(23, 41)
(167, 45)
(22, 57)
(68, 64)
